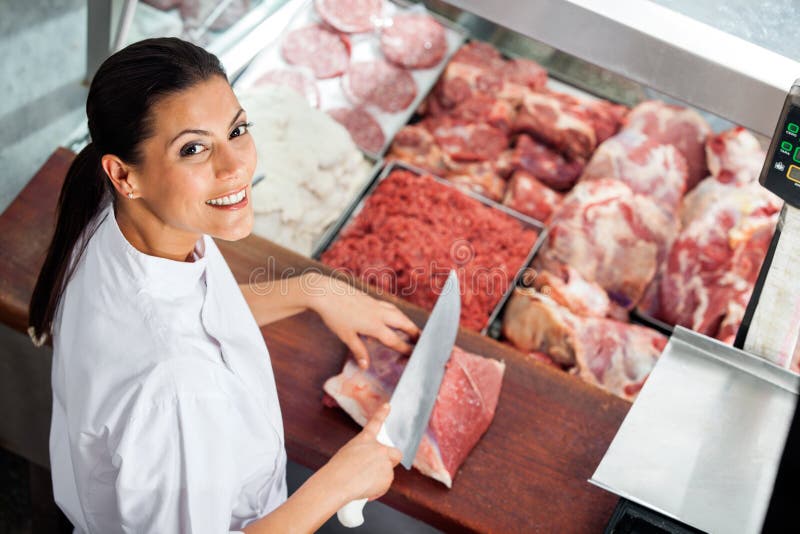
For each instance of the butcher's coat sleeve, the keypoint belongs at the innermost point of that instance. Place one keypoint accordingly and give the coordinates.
(176, 460)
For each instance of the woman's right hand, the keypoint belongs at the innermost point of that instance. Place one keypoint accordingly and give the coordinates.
(364, 468)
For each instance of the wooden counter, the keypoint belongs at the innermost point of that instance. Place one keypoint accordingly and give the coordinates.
(527, 474)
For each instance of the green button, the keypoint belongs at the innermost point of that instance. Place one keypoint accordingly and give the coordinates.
(796, 156)
(786, 145)
(793, 128)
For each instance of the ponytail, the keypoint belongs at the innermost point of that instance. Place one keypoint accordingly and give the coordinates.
(82, 195)
(119, 117)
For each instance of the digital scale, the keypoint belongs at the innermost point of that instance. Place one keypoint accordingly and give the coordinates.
(781, 174)
(700, 449)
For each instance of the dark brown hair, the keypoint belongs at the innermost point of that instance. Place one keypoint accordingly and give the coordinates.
(121, 97)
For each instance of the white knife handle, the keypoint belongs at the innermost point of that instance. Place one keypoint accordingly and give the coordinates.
(350, 515)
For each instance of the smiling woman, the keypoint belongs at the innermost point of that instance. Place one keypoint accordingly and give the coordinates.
(165, 410)
(197, 159)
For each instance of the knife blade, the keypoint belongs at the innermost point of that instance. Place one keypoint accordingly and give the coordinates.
(415, 394)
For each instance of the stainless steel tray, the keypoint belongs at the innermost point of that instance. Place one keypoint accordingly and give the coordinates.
(334, 231)
(703, 441)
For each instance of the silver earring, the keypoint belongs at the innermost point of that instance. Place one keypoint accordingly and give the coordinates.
(130, 196)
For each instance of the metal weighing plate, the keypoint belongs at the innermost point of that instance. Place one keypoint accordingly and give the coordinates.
(703, 441)
(334, 231)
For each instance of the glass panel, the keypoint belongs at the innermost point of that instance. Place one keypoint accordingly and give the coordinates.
(201, 21)
(771, 24)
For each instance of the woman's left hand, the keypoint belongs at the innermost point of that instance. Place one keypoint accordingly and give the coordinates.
(348, 312)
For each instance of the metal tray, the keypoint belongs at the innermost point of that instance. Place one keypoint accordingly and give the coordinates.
(364, 46)
(703, 441)
(335, 230)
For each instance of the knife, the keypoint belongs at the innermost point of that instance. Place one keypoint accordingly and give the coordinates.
(415, 394)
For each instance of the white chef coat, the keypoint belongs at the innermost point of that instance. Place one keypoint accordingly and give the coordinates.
(165, 412)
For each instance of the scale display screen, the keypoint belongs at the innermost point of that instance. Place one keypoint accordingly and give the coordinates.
(781, 174)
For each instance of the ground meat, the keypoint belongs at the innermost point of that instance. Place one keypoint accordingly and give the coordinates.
(414, 41)
(349, 16)
(413, 229)
(363, 128)
(381, 84)
(324, 51)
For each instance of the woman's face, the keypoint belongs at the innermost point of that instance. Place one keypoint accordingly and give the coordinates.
(197, 168)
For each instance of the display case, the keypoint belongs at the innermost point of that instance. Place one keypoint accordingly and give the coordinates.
(731, 63)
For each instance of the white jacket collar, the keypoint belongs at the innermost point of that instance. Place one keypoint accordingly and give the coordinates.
(151, 273)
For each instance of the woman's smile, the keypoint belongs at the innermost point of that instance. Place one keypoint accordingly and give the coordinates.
(230, 201)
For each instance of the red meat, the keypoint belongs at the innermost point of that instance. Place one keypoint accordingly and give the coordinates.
(651, 169)
(464, 408)
(713, 265)
(525, 72)
(481, 108)
(414, 41)
(605, 117)
(464, 141)
(412, 230)
(734, 156)
(528, 195)
(674, 125)
(416, 146)
(481, 178)
(547, 165)
(553, 121)
(478, 67)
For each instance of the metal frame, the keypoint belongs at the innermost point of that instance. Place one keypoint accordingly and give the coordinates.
(659, 48)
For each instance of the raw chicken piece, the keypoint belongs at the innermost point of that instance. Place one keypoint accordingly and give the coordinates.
(463, 411)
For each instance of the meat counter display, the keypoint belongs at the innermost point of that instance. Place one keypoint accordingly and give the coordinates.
(653, 218)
